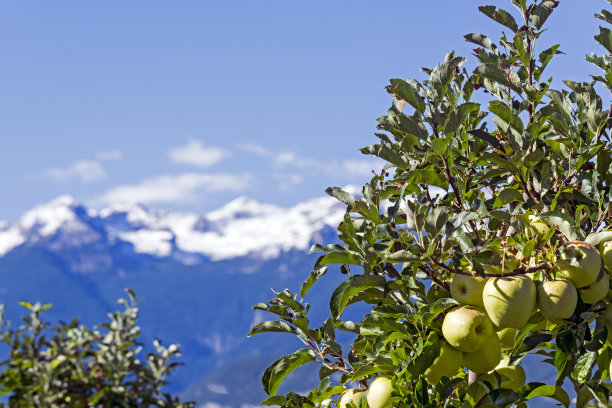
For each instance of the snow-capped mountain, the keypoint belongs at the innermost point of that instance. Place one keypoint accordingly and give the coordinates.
(243, 227)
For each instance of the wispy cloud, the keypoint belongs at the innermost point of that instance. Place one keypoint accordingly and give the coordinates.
(86, 171)
(181, 188)
(289, 159)
(110, 155)
(196, 154)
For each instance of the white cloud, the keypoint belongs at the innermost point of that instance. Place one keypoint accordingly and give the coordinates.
(196, 154)
(83, 170)
(256, 149)
(110, 155)
(186, 187)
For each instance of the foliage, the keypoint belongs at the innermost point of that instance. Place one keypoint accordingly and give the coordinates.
(73, 366)
(461, 181)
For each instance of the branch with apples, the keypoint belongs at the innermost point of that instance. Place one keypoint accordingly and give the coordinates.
(486, 238)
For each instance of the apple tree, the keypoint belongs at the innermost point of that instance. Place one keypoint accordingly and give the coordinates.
(486, 239)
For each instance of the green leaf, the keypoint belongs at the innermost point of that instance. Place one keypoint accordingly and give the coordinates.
(281, 368)
(496, 74)
(421, 394)
(350, 287)
(507, 115)
(583, 366)
(427, 176)
(271, 326)
(340, 257)
(402, 256)
(317, 272)
(565, 224)
(408, 93)
(341, 195)
(481, 40)
(507, 195)
(501, 16)
(551, 391)
(605, 38)
(486, 136)
(540, 13)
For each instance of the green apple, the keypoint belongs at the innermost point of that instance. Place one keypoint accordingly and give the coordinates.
(606, 318)
(445, 365)
(579, 262)
(468, 289)
(486, 358)
(557, 299)
(605, 250)
(506, 338)
(513, 377)
(379, 393)
(509, 301)
(466, 328)
(349, 396)
(596, 291)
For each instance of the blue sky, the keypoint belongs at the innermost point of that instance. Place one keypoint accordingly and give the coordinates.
(187, 105)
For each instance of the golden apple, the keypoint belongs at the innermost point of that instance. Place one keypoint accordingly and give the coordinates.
(466, 328)
(445, 365)
(596, 291)
(557, 299)
(579, 262)
(506, 338)
(605, 250)
(349, 396)
(509, 301)
(468, 289)
(379, 393)
(513, 377)
(486, 358)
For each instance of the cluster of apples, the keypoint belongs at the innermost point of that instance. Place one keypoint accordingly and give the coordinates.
(493, 309)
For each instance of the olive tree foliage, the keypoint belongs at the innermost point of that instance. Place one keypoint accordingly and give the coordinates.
(528, 149)
(70, 365)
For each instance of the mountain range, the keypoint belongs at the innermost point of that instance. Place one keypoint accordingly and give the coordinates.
(197, 275)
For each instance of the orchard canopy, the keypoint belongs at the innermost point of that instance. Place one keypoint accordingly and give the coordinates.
(485, 239)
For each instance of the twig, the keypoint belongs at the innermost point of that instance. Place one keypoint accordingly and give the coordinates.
(328, 362)
(518, 271)
(443, 285)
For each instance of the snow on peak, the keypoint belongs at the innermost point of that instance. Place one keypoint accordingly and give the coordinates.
(46, 219)
(242, 227)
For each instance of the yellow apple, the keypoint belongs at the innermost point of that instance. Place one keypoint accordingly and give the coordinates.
(537, 227)
(606, 318)
(349, 396)
(513, 377)
(445, 365)
(379, 393)
(557, 299)
(485, 358)
(466, 328)
(506, 338)
(509, 301)
(596, 291)
(605, 250)
(467, 289)
(579, 262)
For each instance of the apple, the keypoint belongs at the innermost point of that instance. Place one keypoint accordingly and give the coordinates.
(445, 365)
(466, 328)
(509, 301)
(486, 358)
(606, 318)
(467, 289)
(579, 262)
(513, 377)
(349, 396)
(557, 299)
(605, 250)
(596, 291)
(379, 393)
(506, 338)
